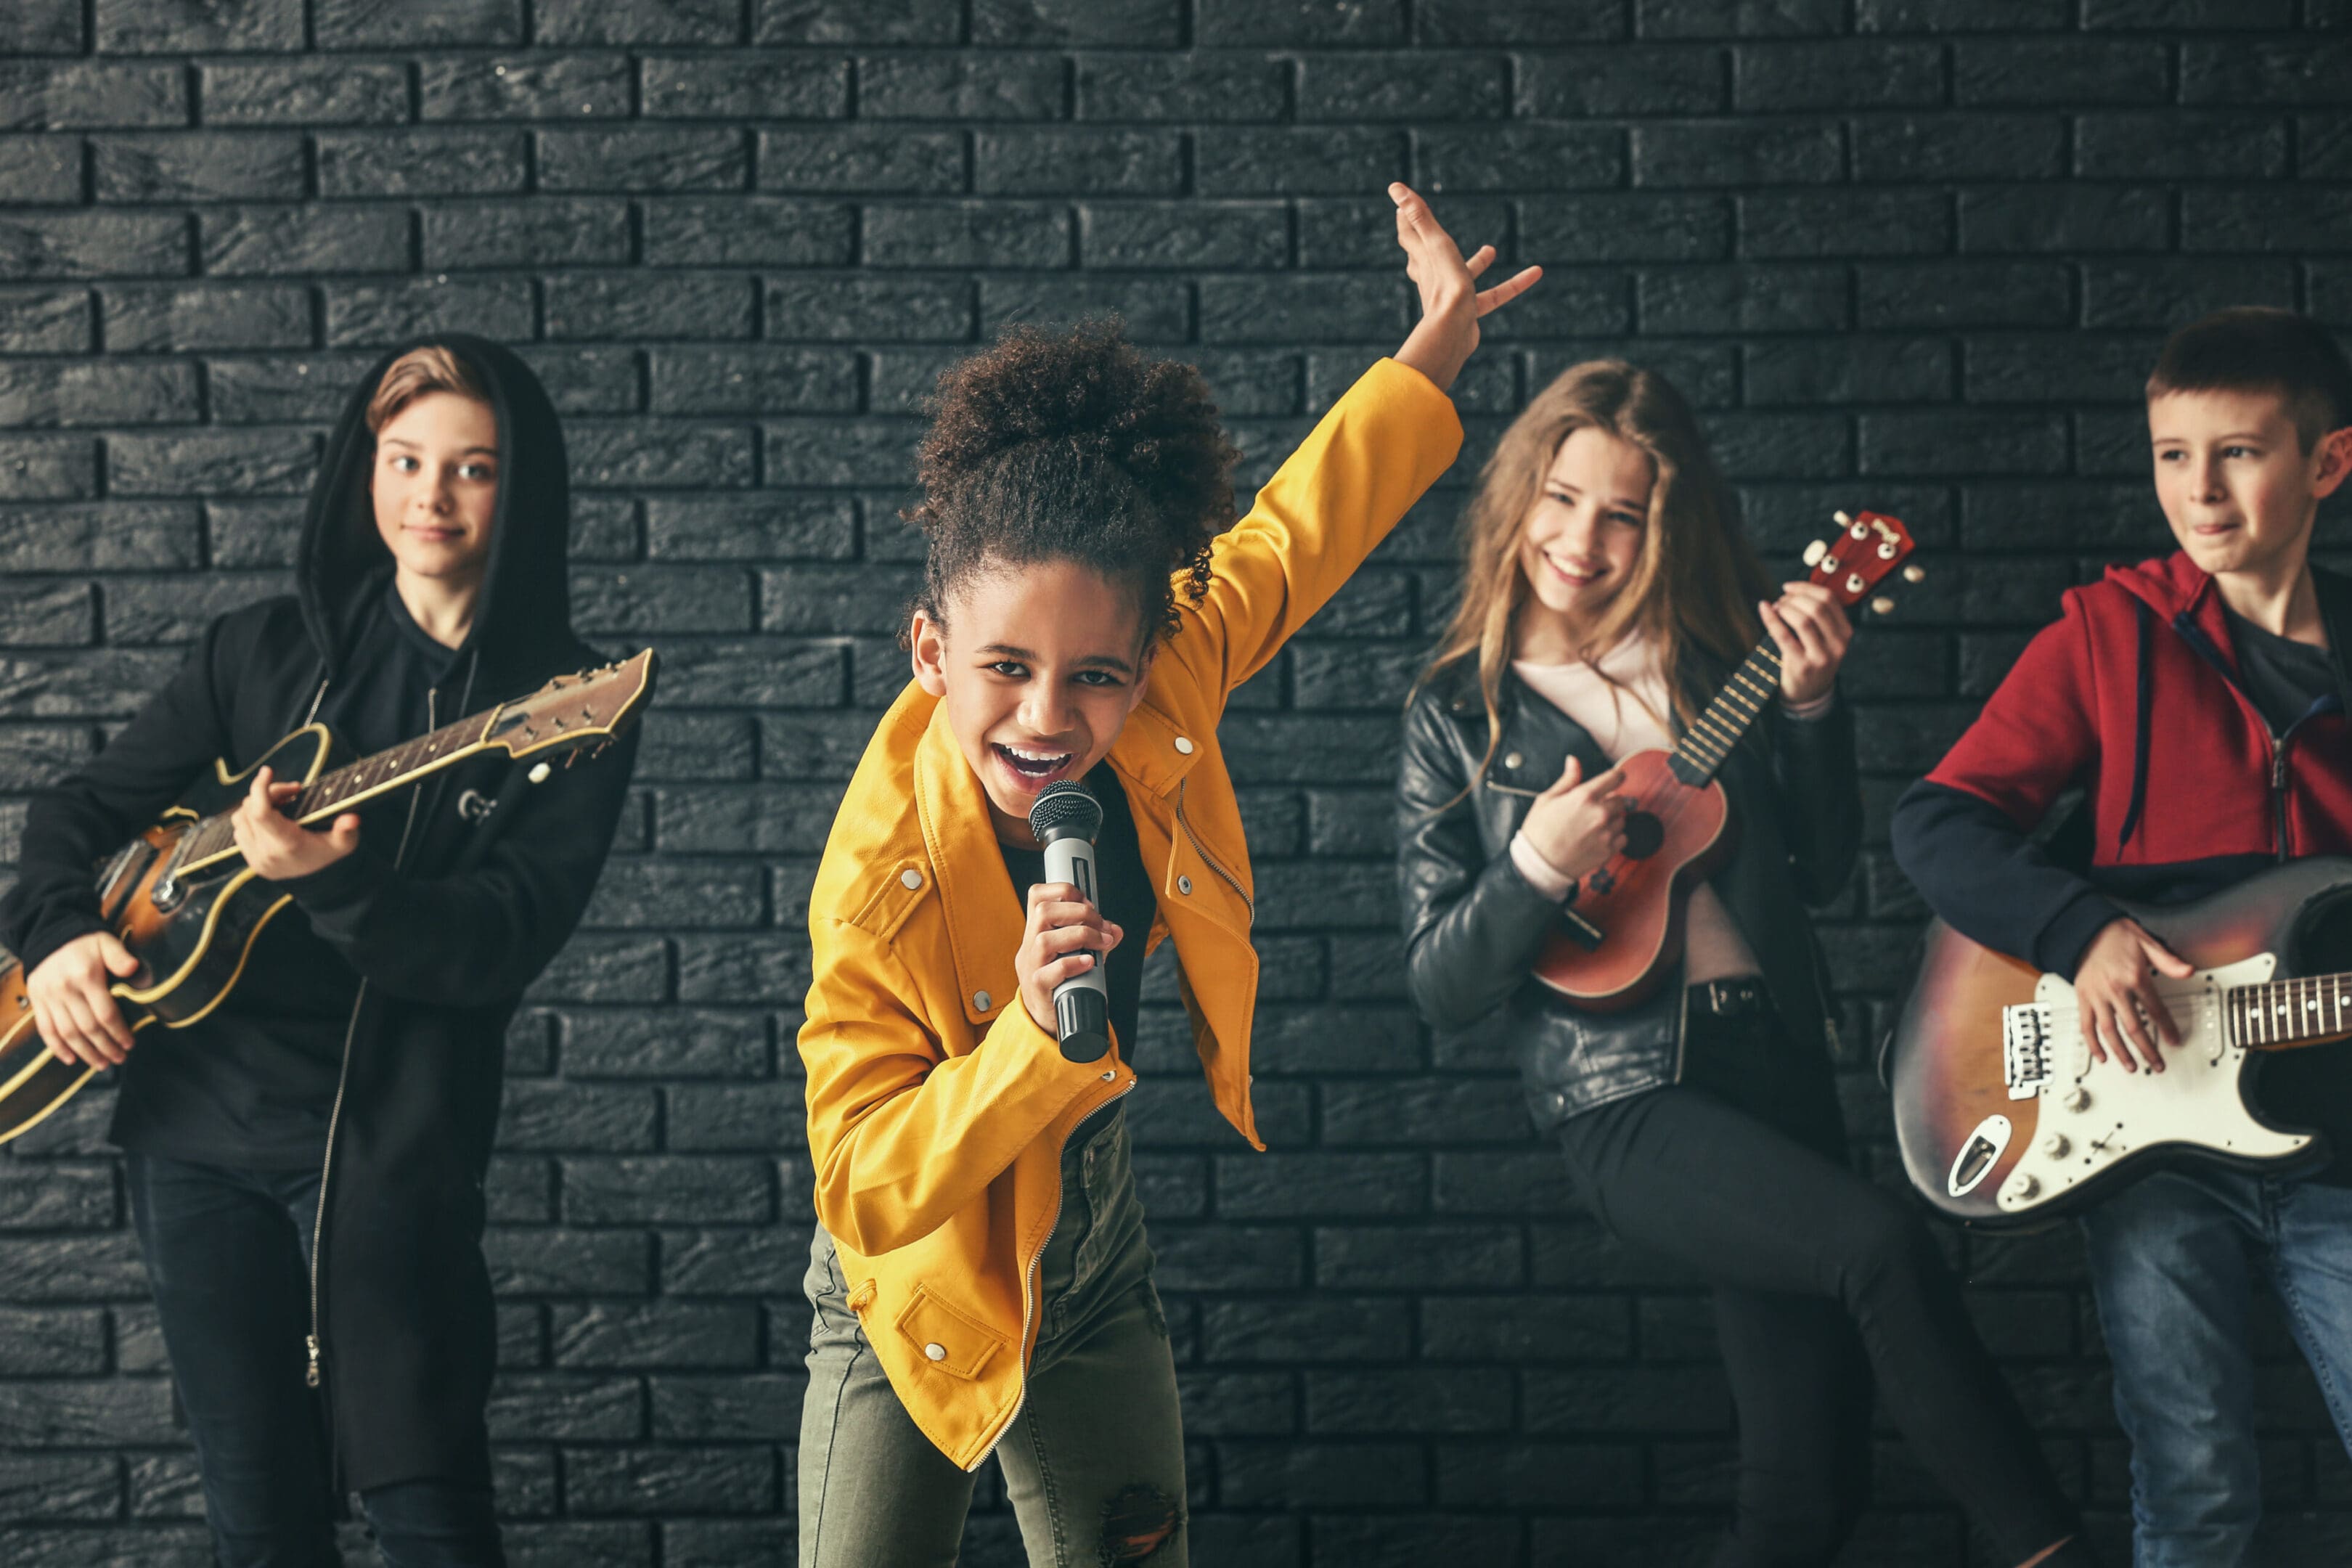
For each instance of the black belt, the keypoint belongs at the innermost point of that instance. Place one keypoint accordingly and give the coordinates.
(1742, 996)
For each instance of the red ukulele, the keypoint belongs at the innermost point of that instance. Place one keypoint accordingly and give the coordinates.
(1621, 928)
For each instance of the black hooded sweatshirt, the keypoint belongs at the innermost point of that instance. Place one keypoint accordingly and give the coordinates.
(434, 942)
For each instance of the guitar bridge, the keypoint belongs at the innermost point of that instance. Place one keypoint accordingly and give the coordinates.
(2026, 1033)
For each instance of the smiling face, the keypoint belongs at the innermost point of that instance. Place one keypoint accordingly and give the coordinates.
(1038, 666)
(1582, 538)
(436, 489)
(2235, 483)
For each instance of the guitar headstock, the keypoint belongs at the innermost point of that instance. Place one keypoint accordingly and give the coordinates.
(1867, 550)
(573, 711)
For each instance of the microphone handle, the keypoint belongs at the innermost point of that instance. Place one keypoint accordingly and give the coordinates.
(1081, 1004)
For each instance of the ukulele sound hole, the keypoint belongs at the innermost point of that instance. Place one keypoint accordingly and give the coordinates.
(1643, 835)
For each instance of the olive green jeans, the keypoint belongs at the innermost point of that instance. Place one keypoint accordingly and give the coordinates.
(1095, 1462)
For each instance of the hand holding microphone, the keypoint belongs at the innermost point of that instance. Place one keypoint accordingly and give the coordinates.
(1062, 951)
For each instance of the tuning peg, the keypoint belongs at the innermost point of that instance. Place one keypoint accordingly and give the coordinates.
(1915, 573)
(1881, 606)
(1814, 552)
(1841, 519)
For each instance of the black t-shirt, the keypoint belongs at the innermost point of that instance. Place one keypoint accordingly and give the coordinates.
(2312, 1086)
(253, 1084)
(1126, 898)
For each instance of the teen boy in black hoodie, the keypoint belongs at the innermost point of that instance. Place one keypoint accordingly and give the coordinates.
(306, 1163)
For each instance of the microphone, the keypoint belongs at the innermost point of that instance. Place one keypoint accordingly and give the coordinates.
(1066, 817)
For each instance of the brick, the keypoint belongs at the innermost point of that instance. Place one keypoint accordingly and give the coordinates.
(1369, 87)
(1962, 16)
(304, 92)
(267, 391)
(435, 163)
(45, 321)
(161, 319)
(45, 467)
(42, 27)
(561, 1118)
(602, 1336)
(1150, 309)
(1195, 88)
(1076, 162)
(747, 86)
(648, 305)
(548, 231)
(1151, 235)
(1954, 441)
(688, 1483)
(2069, 72)
(1258, 23)
(851, 22)
(61, 1413)
(1343, 1475)
(862, 159)
(1850, 370)
(1960, 147)
(1515, 157)
(1770, 298)
(368, 314)
(196, 167)
(80, 95)
(703, 1409)
(172, 27)
(666, 1190)
(2241, 74)
(1739, 152)
(79, 1486)
(301, 240)
(967, 234)
(40, 170)
(48, 393)
(2075, 369)
(1301, 161)
(1065, 23)
(1983, 293)
(2264, 220)
(2065, 219)
(1856, 73)
(524, 87)
(1306, 308)
(2178, 145)
(1532, 22)
(961, 87)
(1738, 18)
(1641, 79)
(2171, 292)
(612, 22)
(669, 159)
(371, 25)
(257, 462)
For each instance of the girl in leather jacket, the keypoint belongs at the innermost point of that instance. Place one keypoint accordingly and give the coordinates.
(1607, 592)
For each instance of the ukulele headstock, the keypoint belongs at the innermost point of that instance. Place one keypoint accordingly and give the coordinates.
(1867, 550)
(574, 711)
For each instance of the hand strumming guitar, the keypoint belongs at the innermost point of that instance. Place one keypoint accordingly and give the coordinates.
(2115, 987)
(1579, 823)
(73, 1008)
(278, 846)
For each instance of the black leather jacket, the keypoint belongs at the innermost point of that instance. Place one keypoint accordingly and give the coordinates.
(1473, 924)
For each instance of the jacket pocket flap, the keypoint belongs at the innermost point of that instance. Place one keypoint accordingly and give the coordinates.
(950, 1340)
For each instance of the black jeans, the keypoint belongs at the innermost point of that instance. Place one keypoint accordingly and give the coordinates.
(227, 1257)
(1820, 1279)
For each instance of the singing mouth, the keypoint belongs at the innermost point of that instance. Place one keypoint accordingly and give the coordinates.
(1577, 576)
(1038, 766)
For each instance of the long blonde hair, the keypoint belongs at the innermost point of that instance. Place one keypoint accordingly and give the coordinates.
(1696, 579)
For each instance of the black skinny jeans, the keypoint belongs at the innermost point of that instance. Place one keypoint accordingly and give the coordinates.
(1820, 1280)
(227, 1255)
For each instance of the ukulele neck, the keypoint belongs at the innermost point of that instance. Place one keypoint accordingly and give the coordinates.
(1708, 742)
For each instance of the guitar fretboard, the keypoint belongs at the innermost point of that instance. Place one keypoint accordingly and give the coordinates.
(1718, 727)
(216, 835)
(2288, 1011)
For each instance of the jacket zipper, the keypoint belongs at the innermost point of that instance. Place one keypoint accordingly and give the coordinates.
(1030, 1285)
(1208, 859)
(344, 1073)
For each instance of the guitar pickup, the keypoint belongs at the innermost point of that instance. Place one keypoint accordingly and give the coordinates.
(1580, 930)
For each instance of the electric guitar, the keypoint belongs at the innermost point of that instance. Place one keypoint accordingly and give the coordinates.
(1621, 929)
(2005, 1119)
(187, 906)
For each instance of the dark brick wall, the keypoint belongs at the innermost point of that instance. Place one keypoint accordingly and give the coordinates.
(1913, 254)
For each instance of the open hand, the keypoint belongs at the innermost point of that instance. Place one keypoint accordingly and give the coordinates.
(1450, 304)
(2115, 987)
(1062, 926)
(1812, 632)
(280, 848)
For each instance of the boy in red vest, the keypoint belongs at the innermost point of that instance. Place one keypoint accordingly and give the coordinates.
(2199, 701)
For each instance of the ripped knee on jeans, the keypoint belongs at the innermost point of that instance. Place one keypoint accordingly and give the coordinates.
(1137, 1523)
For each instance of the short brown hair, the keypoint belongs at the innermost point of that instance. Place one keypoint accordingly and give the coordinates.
(417, 373)
(2258, 348)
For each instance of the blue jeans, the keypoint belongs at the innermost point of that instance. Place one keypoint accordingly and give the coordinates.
(228, 1256)
(2172, 1262)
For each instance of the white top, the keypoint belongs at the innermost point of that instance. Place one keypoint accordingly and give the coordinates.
(1633, 716)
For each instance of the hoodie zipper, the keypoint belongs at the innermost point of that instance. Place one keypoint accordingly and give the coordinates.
(312, 1374)
(2282, 841)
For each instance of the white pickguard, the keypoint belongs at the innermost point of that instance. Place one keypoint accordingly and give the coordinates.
(2094, 1113)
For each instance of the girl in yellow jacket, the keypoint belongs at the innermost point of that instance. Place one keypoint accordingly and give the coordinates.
(980, 1276)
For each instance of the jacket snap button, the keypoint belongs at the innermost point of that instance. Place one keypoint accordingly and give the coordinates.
(937, 1352)
(1184, 746)
(910, 878)
(1512, 761)
(1184, 884)
(980, 1000)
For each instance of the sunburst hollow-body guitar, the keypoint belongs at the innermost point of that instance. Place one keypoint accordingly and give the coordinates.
(188, 907)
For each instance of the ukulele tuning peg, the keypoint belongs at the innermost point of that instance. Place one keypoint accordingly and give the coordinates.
(1814, 552)
(1915, 573)
(1841, 519)
(1881, 606)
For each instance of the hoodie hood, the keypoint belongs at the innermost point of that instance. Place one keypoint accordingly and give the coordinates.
(522, 623)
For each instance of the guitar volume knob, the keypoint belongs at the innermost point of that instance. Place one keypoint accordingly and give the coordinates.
(2056, 1145)
(2076, 1099)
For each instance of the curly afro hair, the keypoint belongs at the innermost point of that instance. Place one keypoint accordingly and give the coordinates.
(1071, 446)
